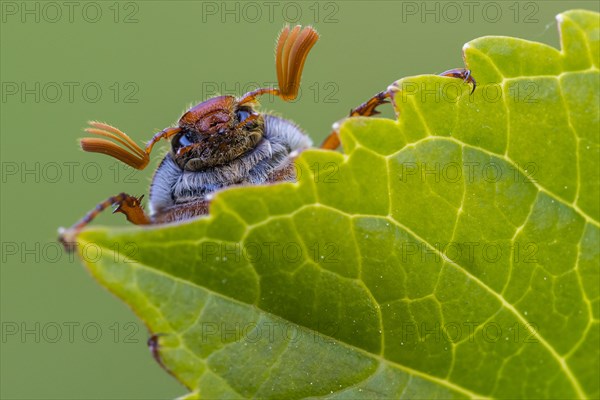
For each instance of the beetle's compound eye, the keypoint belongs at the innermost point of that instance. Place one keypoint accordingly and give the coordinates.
(182, 140)
(242, 114)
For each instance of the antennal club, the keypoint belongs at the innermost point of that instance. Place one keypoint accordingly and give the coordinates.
(129, 152)
(293, 47)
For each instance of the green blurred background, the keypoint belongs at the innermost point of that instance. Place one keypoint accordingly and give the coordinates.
(139, 65)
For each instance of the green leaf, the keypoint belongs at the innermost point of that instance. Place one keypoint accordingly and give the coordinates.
(452, 253)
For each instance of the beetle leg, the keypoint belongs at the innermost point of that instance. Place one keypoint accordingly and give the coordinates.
(153, 346)
(126, 204)
(366, 109)
(461, 73)
(332, 141)
(369, 108)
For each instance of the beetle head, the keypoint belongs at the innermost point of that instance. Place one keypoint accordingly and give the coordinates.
(215, 132)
